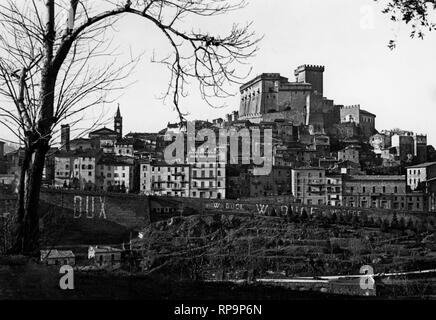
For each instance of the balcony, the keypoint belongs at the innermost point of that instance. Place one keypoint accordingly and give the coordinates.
(203, 178)
(205, 188)
(178, 189)
(316, 183)
(178, 174)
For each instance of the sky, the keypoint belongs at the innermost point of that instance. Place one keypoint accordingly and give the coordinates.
(348, 37)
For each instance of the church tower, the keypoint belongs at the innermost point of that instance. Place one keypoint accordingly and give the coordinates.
(118, 123)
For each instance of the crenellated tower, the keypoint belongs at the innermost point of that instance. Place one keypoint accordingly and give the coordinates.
(311, 74)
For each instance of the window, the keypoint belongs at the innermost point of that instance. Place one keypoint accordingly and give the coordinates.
(395, 189)
(384, 189)
(109, 175)
(363, 189)
(373, 189)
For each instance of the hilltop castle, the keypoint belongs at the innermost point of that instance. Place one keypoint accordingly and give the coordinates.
(270, 96)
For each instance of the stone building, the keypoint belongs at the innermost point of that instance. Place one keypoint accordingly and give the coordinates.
(308, 185)
(208, 180)
(76, 169)
(58, 257)
(115, 173)
(362, 118)
(403, 146)
(334, 190)
(105, 256)
(382, 192)
(104, 139)
(124, 147)
(277, 183)
(418, 175)
(350, 153)
(162, 179)
(270, 96)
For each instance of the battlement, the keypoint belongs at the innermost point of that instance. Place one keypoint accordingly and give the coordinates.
(355, 106)
(310, 67)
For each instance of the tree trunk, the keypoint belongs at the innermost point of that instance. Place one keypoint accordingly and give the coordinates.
(17, 243)
(31, 206)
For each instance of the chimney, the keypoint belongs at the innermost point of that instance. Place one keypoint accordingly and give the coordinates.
(229, 117)
(235, 115)
(65, 137)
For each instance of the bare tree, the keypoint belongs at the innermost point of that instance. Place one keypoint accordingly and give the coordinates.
(48, 52)
(415, 13)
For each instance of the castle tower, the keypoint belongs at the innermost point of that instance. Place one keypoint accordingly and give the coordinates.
(118, 123)
(313, 75)
(65, 137)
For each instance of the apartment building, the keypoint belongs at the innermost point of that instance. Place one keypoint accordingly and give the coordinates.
(76, 169)
(162, 179)
(208, 180)
(309, 185)
(334, 190)
(418, 175)
(115, 173)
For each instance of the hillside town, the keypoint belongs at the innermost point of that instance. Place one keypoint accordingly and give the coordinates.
(323, 153)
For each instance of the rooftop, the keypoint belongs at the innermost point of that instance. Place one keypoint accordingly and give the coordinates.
(53, 254)
(102, 131)
(114, 160)
(376, 177)
(104, 249)
(91, 153)
(422, 165)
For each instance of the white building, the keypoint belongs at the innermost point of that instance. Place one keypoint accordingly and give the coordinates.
(162, 179)
(208, 180)
(115, 173)
(420, 174)
(76, 168)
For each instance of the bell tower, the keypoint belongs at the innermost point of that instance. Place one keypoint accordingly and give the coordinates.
(118, 123)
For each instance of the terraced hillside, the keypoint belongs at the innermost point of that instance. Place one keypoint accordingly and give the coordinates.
(232, 246)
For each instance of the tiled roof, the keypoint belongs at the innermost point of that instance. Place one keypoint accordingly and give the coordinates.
(423, 165)
(53, 254)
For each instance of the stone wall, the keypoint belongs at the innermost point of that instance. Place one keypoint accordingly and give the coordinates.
(130, 211)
